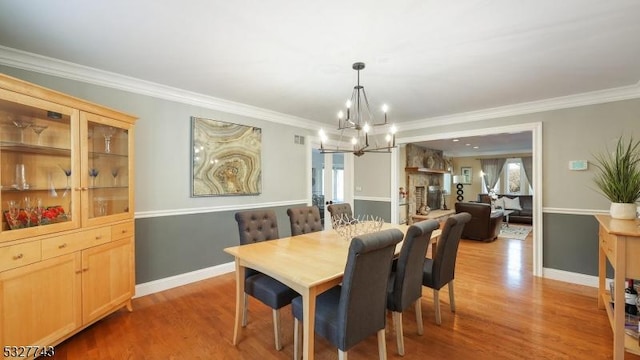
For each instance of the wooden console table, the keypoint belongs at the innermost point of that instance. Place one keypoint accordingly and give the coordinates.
(620, 244)
(440, 215)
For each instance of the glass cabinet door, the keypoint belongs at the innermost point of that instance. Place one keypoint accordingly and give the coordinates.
(106, 169)
(37, 148)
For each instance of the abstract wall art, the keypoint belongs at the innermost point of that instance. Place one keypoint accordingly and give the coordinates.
(226, 158)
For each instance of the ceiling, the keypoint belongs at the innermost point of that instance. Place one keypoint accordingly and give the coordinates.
(426, 59)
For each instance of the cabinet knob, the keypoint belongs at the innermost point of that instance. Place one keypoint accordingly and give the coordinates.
(124, 231)
(62, 246)
(98, 237)
(18, 257)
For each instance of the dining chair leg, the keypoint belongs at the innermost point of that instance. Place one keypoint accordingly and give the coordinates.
(382, 345)
(452, 299)
(245, 306)
(419, 317)
(342, 355)
(276, 328)
(436, 305)
(297, 335)
(397, 325)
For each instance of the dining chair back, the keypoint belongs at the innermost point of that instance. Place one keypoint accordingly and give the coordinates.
(349, 313)
(256, 226)
(304, 220)
(440, 269)
(405, 282)
(342, 210)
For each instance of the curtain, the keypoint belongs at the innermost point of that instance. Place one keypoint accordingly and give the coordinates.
(527, 163)
(492, 168)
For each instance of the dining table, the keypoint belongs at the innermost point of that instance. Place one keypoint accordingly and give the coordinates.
(309, 264)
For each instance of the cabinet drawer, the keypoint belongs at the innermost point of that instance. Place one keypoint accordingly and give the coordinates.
(67, 244)
(608, 244)
(122, 231)
(18, 255)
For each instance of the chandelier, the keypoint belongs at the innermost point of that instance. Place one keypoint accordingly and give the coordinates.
(360, 123)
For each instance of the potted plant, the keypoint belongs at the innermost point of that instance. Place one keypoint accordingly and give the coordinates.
(618, 178)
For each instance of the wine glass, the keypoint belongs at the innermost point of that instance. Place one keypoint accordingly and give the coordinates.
(67, 172)
(38, 129)
(93, 172)
(13, 213)
(107, 132)
(114, 173)
(29, 207)
(21, 124)
(39, 210)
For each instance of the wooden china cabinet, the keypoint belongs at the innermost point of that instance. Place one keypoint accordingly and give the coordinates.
(67, 236)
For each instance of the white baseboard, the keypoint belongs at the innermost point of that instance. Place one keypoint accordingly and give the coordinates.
(570, 277)
(202, 274)
(183, 279)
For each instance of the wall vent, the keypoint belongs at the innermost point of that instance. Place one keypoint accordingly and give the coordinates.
(298, 139)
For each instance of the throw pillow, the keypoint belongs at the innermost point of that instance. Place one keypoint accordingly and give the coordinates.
(512, 204)
(499, 204)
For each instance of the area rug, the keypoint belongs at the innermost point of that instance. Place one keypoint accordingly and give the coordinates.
(514, 232)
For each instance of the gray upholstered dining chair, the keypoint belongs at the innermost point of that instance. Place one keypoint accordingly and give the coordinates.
(255, 226)
(405, 282)
(339, 210)
(304, 219)
(347, 314)
(440, 270)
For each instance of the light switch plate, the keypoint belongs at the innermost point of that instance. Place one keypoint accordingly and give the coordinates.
(578, 165)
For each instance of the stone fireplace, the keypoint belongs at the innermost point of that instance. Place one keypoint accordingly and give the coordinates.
(425, 169)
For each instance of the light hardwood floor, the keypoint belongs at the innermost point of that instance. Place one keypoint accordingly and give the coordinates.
(503, 312)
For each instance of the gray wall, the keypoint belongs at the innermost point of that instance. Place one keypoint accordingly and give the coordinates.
(380, 209)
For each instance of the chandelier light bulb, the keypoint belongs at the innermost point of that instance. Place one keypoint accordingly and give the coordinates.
(393, 129)
(385, 108)
(366, 127)
(354, 141)
(340, 114)
(348, 104)
(323, 135)
(388, 137)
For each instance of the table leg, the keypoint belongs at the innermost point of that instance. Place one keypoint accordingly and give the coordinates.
(239, 300)
(308, 322)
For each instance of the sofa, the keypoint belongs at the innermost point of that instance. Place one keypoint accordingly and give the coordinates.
(484, 225)
(521, 215)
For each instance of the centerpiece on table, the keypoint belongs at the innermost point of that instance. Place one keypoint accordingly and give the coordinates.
(618, 178)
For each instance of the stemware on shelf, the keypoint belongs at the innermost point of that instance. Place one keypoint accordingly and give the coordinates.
(38, 129)
(12, 213)
(67, 172)
(114, 173)
(93, 172)
(107, 132)
(39, 209)
(21, 124)
(29, 207)
(21, 180)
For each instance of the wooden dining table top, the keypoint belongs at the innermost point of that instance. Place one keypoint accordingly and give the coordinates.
(304, 260)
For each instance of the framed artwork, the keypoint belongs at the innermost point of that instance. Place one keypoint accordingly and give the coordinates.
(466, 173)
(226, 158)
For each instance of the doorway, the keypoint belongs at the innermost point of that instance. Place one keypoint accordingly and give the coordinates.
(328, 182)
(536, 135)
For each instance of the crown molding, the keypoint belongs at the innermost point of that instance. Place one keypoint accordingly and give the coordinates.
(71, 71)
(67, 70)
(562, 102)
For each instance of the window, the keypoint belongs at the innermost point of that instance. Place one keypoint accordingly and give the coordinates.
(513, 178)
